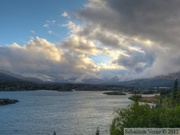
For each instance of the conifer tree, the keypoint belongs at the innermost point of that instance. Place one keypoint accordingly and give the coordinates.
(175, 92)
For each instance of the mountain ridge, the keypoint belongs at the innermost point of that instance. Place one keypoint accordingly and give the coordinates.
(9, 76)
(157, 81)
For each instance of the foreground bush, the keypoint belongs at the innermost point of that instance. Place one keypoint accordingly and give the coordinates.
(145, 116)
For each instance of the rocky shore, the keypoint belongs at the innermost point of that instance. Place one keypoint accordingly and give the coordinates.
(6, 101)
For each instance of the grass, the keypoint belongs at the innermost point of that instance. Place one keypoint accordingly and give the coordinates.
(139, 98)
(153, 99)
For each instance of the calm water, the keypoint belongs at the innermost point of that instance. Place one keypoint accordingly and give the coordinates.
(67, 113)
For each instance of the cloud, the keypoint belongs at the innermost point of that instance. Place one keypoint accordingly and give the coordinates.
(44, 59)
(51, 27)
(46, 25)
(72, 27)
(138, 38)
(150, 26)
(33, 32)
(80, 44)
(154, 20)
(136, 61)
(65, 14)
(86, 77)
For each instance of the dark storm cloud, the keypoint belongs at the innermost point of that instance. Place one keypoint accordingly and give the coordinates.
(157, 20)
(136, 61)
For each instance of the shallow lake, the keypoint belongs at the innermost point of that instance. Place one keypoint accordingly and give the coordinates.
(67, 113)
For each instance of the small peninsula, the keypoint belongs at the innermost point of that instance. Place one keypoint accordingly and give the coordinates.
(114, 93)
(6, 101)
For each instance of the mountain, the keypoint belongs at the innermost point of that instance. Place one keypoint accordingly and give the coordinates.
(148, 83)
(157, 81)
(6, 77)
(93, 81)
(172, 76)
(9, 76)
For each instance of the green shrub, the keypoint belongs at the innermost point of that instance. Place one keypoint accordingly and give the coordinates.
(145, 116)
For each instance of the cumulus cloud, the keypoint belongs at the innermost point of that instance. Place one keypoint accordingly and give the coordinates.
(80, 44)
(44, 59)
(72, 27)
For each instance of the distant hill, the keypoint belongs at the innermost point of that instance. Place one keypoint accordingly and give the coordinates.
(8, 76)
(148, 83)
(157, 81)
(171, 76)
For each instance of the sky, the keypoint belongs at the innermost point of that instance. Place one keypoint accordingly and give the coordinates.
(77, 40)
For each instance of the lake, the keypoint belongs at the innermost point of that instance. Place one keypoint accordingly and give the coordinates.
(67, 113)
